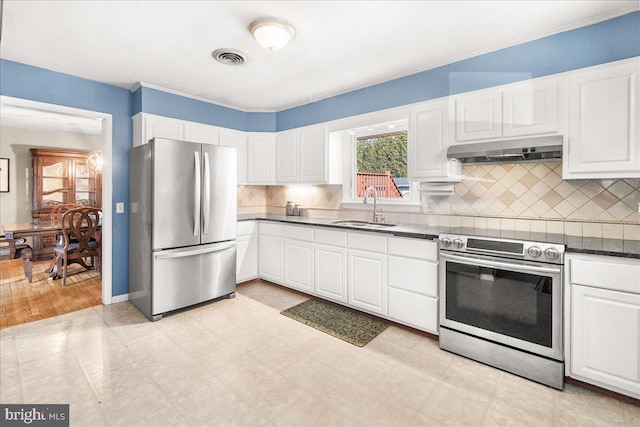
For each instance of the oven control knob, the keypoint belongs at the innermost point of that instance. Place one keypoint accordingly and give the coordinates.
(458, 243)
(551, 253)
(446, 242)
(534, 251)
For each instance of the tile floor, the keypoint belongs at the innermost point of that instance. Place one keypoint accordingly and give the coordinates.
(239, 362)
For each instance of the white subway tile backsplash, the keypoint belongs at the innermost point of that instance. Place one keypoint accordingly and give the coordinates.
(631, 232)
(538, 226)
(612, 231)
(523, 225)
(555, 227)
(593, 229)
(573, 228)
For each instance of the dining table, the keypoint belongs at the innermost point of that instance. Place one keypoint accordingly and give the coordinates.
(13, 233)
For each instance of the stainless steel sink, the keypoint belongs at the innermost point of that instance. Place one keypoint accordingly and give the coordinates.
(361, 224)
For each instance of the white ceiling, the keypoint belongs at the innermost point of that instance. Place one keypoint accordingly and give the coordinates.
(339, 46)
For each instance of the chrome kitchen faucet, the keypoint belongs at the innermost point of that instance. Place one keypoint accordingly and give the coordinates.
(377, 216)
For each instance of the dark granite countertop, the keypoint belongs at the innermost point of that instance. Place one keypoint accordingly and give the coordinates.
(577, 244)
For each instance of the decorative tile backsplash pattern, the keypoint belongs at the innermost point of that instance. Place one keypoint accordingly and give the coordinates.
(537, 191)
(312, 196)
(252, 199)
(524, 197)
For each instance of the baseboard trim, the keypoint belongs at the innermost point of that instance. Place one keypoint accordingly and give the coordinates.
(119, 298)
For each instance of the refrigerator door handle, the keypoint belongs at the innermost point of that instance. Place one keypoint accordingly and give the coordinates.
(207, 194)
(209, 249)
(196, 195)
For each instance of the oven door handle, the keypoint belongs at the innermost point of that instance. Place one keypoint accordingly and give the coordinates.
(497, 264)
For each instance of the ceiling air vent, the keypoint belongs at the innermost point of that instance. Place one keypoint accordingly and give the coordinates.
(228, 56)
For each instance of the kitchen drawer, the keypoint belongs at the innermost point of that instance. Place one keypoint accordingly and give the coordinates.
(414, 310)
(271, 229)
(618, 274)
(414, 275)
(367, 242)
(331, 237)
(246, 228)
(414, 248)
(298, 232)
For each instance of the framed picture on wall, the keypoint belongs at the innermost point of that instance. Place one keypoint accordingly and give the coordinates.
(4, 175)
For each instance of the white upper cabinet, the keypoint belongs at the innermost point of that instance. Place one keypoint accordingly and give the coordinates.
(604, 124)
(148, 126)
(530, 108)
(287, 156)
(261, 156)
(302, 156)
(313, 155)
(478, 116)
(238, 140)
(428, 142)
(204, 134)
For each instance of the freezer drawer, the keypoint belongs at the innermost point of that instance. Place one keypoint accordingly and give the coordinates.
(187, 276)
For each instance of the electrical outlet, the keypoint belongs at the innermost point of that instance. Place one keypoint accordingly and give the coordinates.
(120, 207)
(454, 207)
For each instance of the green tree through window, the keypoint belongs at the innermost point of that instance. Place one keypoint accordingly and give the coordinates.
(381, 162)
(381, 153)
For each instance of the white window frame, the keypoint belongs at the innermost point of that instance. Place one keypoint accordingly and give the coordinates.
(349, 200)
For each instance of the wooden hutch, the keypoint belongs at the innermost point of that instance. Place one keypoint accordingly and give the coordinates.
(60, 177)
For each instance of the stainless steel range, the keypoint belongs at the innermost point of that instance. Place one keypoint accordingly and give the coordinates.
(501, 304)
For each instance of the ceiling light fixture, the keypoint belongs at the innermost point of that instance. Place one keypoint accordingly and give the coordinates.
(271, 33)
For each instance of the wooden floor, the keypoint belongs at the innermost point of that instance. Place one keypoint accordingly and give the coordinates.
(22, 302)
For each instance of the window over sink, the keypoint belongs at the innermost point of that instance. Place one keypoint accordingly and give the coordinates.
(379, 160)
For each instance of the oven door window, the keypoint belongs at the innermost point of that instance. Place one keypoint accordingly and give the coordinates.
(510, 303)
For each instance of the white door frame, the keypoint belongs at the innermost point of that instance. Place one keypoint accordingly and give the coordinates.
(107, 186)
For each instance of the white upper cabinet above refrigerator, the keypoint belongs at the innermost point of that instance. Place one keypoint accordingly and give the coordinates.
(204, 134)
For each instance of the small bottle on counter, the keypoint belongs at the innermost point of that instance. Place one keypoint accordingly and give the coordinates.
(304, 211)
(296, 210)
(289, 208)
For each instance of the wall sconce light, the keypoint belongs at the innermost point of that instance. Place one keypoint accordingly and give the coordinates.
(271, 33)
(95, 161)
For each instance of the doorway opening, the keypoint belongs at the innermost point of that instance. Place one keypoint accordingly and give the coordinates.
(40, 299)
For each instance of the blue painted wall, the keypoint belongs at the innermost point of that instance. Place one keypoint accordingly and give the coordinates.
(179, 107)
(37, 84)
(607, 41)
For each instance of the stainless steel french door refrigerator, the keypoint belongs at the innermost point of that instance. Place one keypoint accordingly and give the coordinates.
(182, 225)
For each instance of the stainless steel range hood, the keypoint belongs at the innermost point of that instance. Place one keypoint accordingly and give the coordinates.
(538, 149)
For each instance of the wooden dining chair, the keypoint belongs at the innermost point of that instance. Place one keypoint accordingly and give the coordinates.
(55, 217)
(81, 239)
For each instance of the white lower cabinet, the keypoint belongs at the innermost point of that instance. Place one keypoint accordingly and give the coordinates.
(367, 279)
(391, 277)
(298, 265)
(331, 272)
(270, 251)
(331, 264)
(605, 322)
(413, 283)
(246, 258)
(246, 251)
